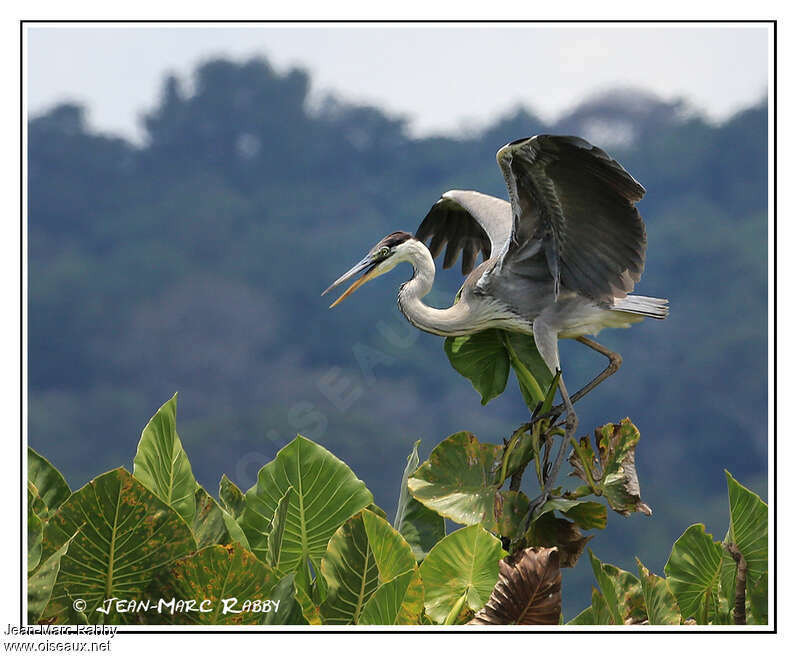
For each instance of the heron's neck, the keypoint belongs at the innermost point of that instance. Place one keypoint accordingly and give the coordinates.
(441, 321)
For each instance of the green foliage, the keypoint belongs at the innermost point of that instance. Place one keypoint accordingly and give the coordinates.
(482, 359)
(40, 585)
(362, 555)
(693, 574)
(460, 480)
(460, 573)
(612, 473)
(46, 483)
(306, 545)
(321, 488)
(660, 604)
(420, 526)
(486, 357)
(228, 576)
(134, 233)
(748, 532)
(213, 525)
(230, 497)
(694, 591)
(119, 533)
(620, 591)
(34, 532)
(161, 463)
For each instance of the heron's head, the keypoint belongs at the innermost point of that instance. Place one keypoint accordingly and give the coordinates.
(382, 257)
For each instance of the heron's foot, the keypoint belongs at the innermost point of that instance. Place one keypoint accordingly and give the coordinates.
(551, 415)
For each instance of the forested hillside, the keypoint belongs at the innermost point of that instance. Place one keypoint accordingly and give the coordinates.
(195, 263)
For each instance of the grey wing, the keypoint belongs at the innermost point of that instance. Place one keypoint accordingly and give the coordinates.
(468, 222)
(573, 207)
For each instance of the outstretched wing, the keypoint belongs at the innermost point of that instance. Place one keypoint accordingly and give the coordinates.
(468, 222)
(574, 206)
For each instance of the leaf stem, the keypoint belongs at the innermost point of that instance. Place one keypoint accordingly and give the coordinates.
(509, 448)
(452, 617)
(527, 379)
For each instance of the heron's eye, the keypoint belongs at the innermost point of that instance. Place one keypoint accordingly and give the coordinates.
(383, 252)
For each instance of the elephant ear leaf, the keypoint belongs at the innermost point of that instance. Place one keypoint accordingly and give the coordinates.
(528, 591)
(48, 484)
(420, 526)
(161, 463)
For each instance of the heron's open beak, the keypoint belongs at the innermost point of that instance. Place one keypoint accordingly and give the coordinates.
(367, 265)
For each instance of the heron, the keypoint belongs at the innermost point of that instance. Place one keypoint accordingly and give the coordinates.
(560, 259)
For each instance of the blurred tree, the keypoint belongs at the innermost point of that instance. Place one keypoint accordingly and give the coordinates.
(195, 262)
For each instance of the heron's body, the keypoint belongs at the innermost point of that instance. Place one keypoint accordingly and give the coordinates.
(561, 257)
(482, 304)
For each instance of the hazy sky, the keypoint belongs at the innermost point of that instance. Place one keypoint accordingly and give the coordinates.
(440, 77)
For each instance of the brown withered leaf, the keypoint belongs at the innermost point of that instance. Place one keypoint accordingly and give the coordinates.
(528, 591)
(550, 531)
(612, 472)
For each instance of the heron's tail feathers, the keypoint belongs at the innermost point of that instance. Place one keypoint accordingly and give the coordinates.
(647, 306)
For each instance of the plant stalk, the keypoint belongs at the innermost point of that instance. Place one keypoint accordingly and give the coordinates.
(739, 614)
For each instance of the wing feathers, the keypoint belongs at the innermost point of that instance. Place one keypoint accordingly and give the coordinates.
(578, 202)
(469, 223)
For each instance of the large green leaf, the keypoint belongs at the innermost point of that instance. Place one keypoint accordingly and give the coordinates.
(213, 525)
(229, 578)
(351, 573)
(748, 528)
(462, 568)
(326, 493)
(612, 473)
(662, 607)
(607, 589)
(161, 463)
(49, 484)
(758, 597)
(420, 526)
(693, 574)
(393, 555)
(460, 480)
(40, 584)
(533, 375)
(289, 610)
(396, 602)
(34, 533)
(621, 591)
(510, 512)
(309, 608)
(120, 534)
(363, 554)
(587, 515)
(586, 617)
(277, 530)
(483, 359)
(230, 497)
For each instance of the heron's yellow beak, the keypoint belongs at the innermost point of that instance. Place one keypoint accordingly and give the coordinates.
(371, 272)
(374, 273)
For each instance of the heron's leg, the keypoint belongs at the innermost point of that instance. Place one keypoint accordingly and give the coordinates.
(546, 341)
(614, 362)
(570, 426)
